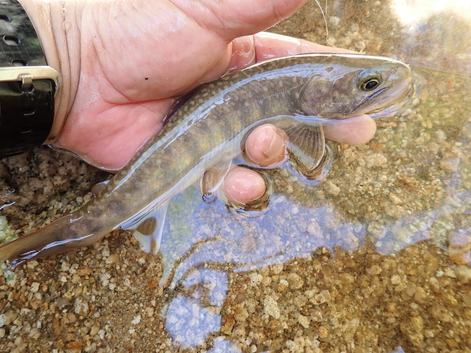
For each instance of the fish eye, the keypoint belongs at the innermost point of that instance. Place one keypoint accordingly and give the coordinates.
(369, 80)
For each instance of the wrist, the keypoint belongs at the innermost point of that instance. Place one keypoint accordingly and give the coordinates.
(56, 24)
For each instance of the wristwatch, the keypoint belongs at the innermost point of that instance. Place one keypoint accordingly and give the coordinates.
(27, 85)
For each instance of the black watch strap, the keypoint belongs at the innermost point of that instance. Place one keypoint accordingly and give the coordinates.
(27, 84)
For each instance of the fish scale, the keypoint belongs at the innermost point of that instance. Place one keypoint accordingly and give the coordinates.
(207, 131)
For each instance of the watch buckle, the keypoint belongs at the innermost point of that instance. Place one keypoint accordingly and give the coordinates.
(26, 82)
(27, 74)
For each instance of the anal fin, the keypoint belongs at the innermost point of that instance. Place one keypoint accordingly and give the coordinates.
(148, 231)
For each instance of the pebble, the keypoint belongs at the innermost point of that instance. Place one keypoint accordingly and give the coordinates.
(256, 279)
(136, 320)
(331, 188)
(463, 273)
(270, 307)
(303, 321)
(376, 160)
(321, 298)
(295, 281)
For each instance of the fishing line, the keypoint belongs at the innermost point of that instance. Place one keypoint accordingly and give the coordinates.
(325, 20)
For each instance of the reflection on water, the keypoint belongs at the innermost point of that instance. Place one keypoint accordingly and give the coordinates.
(411, 184)
(410, 12)
(436, 33)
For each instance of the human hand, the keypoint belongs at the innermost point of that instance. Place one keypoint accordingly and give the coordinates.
(124, 62)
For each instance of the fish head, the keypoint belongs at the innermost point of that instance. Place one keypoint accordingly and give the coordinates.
(352, 85)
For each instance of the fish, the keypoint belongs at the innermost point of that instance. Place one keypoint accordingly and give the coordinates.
(296, 93)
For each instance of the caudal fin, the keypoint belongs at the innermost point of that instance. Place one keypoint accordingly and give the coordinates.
(46, 241)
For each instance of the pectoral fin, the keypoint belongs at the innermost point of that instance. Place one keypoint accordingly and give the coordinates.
(148, 231)
(307, 151)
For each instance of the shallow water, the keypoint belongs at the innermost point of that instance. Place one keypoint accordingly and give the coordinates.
(410, 185)
(373, 259)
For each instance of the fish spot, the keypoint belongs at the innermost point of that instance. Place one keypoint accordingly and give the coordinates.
(148, 226)
(115, 206)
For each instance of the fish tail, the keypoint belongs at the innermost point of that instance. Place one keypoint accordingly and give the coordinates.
(54, 238)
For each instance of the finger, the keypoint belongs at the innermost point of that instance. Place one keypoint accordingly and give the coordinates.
(249, 50)
(242, 185)
(235, 18)
(266, 146)
(353, 131)
(271, 45)
(209, 26)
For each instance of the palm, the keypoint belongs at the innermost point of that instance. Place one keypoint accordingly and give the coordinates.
(130, 71)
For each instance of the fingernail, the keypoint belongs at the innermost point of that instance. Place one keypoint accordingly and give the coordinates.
(275, 149)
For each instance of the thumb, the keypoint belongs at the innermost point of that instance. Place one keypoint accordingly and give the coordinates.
(234, 18)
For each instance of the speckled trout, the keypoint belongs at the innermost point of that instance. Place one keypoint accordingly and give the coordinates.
(295, 93)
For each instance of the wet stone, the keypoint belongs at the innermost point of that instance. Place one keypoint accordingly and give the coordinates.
(295, 281)
(271, 307)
